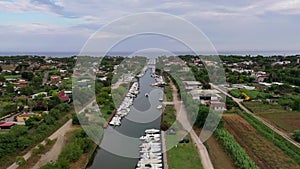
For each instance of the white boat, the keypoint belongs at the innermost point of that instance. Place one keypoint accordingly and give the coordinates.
(149, 146)
(151, 157)
(151, 161)
(150, 149)
(161, 99)
(159, 107)
(146, 95)
(152, 131)
(150, 136)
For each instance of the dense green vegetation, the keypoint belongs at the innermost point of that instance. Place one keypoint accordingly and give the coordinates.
(236, 77)
(37, 129)
(279, 141)
(296, 135)
(238, 154)
(79, 145)
(168, 117)
(168, 93)
(7, 108)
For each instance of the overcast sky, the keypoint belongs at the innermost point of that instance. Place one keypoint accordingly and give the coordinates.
(231, 25)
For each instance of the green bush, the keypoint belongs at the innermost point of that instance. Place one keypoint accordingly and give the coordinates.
(20, 160)
(71, 152)
(296, 135)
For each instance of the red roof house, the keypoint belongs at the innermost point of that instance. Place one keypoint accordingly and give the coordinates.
(7, 125)
(63, 96)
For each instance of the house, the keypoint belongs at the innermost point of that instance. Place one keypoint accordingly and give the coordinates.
(6, 125)
(63, 96)
(24, 116)
(103, 78)
(39, 94)
(242, 70)
(20, 83)
(63, 72)
(55, 79)
(281, 63)
(205, 94)
(191, 85)
(218, 106)
(43, 68)
(260, 76)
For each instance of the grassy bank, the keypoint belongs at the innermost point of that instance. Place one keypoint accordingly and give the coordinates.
(168, 117)
(183, 155)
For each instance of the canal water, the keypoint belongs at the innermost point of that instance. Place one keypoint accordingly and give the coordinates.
(119, 148)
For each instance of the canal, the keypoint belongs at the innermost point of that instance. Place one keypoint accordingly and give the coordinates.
(119, 148)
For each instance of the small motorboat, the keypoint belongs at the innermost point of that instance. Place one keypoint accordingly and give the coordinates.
(152, 131)
(146, 94)
(159, 107)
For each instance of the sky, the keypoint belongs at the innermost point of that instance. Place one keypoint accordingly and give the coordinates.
(230, 25)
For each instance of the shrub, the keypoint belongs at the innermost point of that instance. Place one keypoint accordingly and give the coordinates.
(20, 160)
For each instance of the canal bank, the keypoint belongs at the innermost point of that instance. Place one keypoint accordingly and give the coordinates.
(120, 145)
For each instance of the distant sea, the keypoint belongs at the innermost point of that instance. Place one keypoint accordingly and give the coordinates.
(70, 54)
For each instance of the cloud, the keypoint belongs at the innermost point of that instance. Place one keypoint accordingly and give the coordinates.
(20, 6)
(291, 7)
(229, 24)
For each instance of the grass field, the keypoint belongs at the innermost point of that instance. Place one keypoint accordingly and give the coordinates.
(265, 154)
(274, 113)
(184, 156)
(253, 94)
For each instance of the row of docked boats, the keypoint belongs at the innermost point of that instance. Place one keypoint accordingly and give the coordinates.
(159, 80)
(150, 150)
(124, 107)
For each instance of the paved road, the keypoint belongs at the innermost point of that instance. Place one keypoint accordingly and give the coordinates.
(276, 130)
(53, 156)
(182, 118)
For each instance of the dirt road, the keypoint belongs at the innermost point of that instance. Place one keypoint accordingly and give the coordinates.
(182, 118)
(53, 154)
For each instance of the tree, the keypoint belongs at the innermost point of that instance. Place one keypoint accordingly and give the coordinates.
(31, 104)
(75, 119)
(2, 79)
(296, 105)
(19, 130)
(27, 75)
(296, 135)
(23, 142)
(10, 88)
(27, 90)
(36, 82)
(71, 152)
(20, 160)
(201, 117)
(8, 108)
